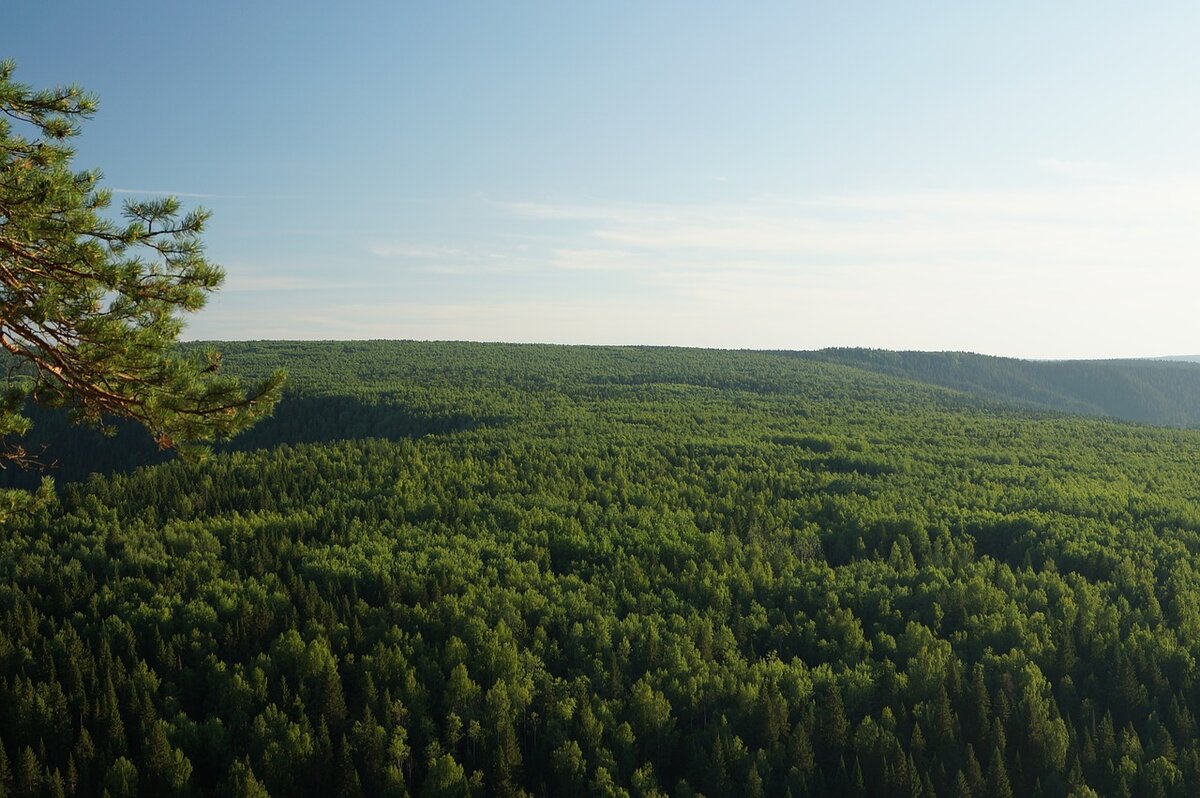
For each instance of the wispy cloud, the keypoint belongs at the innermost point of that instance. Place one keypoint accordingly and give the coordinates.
(417, 251)
(460, 259)
(238, 280)
(593, 212)
(1087, 170)
(602, 260)
(1114, 225)
(155, 192)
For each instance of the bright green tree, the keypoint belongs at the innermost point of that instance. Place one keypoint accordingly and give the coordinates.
(91, 308)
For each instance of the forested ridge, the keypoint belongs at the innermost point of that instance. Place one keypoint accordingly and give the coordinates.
(1164, 392)
(458, 569)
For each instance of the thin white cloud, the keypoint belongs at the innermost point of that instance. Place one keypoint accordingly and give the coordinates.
(596, 212)
(239, 281)
(1122, 224)
(1084, 170)
(418, 251)
(154, 192)
(602, 260)
(446, 259)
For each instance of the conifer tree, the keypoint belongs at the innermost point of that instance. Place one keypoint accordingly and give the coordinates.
(960, 788)
(6, 775)
(29, 773)
(243, 783)
(90, 308)
(997, 784)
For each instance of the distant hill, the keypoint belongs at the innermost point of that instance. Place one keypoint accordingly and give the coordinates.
(1164, 392)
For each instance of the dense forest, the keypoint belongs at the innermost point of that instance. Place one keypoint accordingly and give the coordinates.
(466, 569)
(1161, 392)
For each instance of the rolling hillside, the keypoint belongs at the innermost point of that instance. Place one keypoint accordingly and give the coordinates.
(1162, 392)
(358, 389)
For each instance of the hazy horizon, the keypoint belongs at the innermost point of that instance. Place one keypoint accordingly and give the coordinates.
(193, 340)
(1017, 180)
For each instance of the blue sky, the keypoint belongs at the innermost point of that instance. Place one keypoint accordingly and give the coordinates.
(1012, 178)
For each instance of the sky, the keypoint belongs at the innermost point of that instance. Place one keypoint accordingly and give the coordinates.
(1016, 178)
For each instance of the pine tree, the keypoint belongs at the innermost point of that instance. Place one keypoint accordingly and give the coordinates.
(71, 782)
(121, 780)
(54, 785)
(89, 308)
(84, 756)
(243, 783)
(942, 730)
(29, 774)
(332, 699)
(772, 715)
(996, 784)
(349, 783)
(1106, 739)
(916, 743)
(505, 770)
(6, 776)
(800, 750)
(858, 783)
(832, 725)
(166, 766)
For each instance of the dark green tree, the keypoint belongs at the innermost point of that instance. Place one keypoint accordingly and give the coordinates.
(997, 783)
(6, 776)
(242, 782)
(121, 781)
(29, 773)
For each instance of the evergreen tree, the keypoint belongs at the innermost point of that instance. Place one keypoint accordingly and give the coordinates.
(832, 725)
(960, 788)
(997, 785)
(29, 774)
(55, 787)
(242, 782)
(121, 780)
(90, 309)
(7, 782)
(973, 771)
(506, 752)
(349, 782)
(801, 752)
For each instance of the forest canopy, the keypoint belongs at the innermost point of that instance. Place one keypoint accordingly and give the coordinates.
(510, 570)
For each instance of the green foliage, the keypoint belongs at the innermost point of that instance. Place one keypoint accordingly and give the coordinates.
(559, 571)
(90, 309)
